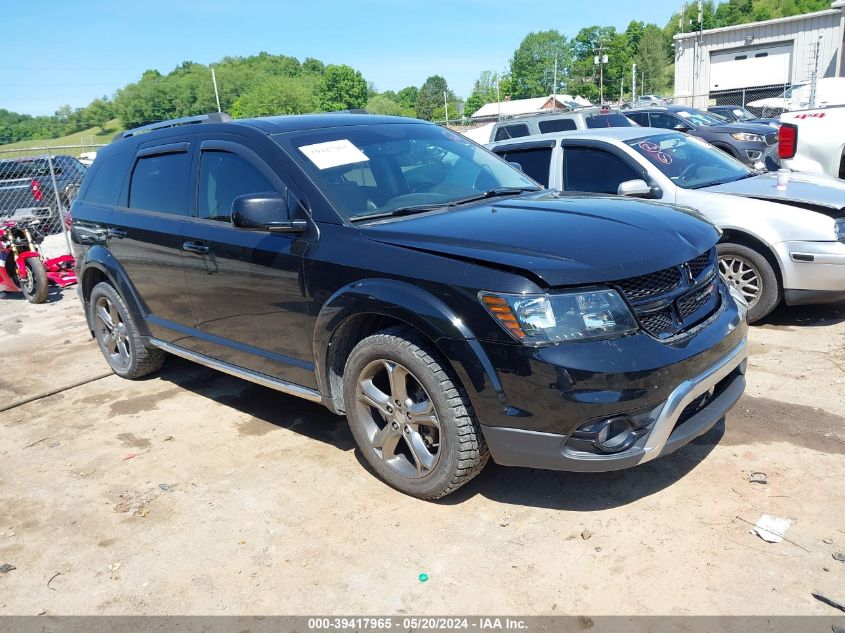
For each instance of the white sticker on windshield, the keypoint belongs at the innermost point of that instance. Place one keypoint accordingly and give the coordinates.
(333, 154)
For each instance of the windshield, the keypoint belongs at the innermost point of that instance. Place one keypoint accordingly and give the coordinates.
(375, 169)
(689, 162)
(698, 117)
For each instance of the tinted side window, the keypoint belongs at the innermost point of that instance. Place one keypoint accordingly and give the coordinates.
(557, 125)
(223, 177)
(608, 120)
(511, 131)
(107, 178)
(663, 120)
(640, 117)
(535, 162)
(594, 170)
(160, 183)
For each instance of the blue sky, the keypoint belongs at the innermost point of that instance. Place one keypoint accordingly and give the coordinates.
(52, 53)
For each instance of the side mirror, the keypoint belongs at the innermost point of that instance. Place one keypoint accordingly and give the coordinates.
(680, 127)
(635, 189)
(515, 165)
(266, 211)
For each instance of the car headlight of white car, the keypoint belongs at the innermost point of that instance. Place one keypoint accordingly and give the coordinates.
(748, 137)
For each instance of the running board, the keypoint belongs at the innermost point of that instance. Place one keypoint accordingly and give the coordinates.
(239, 372)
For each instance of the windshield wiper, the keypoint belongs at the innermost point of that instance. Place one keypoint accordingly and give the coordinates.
(422, 208)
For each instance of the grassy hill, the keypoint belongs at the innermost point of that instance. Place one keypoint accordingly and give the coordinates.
(90, 136)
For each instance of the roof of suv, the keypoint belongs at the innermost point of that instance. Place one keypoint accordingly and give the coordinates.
(672, 107)
(271, 124)
(618, 133)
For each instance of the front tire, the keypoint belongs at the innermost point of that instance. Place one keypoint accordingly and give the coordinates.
(34, 287)
(751, 273)
(409, 416)
(117, 334)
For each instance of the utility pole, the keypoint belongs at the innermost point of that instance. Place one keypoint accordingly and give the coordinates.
(601, 60)
(446, 105)
(814, 73)
(554, 87)
(633, 83)
(216, 94)
(621, 90)
(498, 98)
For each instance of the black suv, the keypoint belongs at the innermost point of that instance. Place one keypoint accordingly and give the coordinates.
(404, 276)
(751, 143)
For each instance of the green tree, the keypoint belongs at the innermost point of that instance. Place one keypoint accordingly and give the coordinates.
(382, 104)
(277, 95)
(532, 65)
(431, 96)
(341, 88)
(99, 112)
(484, 91)
(407, 97)
(652, 61)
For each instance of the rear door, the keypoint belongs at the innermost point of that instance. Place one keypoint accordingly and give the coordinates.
(144, 230)
(245, 286)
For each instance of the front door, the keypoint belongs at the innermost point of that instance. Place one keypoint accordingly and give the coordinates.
(245, 286)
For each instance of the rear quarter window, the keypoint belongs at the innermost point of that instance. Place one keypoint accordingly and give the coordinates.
(511, 131)
(557, 125)
(104, 181)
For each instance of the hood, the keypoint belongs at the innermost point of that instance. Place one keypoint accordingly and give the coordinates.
(562, 240)
(816, 192)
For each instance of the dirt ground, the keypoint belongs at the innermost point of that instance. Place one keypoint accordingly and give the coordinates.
(193, 492)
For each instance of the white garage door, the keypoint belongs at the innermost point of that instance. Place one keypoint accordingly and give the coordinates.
(750, 67)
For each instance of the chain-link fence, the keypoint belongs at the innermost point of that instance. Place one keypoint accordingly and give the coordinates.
(37, 187)
(766, 102)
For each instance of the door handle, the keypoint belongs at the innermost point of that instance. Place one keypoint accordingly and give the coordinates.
(117, 233)
(199, 248)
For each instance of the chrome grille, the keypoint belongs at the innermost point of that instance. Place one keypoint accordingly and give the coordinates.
(651, 285)
(688, 304)
(659, 324)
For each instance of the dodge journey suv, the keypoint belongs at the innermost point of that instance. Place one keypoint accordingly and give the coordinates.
(407, 278)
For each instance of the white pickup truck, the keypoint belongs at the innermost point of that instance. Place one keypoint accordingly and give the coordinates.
(814, 140)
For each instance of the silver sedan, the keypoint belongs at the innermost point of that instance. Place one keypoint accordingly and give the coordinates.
(782, 243)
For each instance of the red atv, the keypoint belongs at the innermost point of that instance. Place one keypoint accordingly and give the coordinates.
(23, 269)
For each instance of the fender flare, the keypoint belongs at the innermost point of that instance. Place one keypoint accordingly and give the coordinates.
(100, 258)
(419, 309)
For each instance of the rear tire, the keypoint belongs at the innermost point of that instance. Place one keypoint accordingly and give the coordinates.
(751, 273)
(34, 287)
(117, 334)
(409, 416)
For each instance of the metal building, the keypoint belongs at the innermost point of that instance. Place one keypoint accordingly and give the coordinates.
(748, 61)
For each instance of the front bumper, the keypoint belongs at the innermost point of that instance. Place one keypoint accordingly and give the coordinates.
(669, 392)
(813, 272)
(674, 424)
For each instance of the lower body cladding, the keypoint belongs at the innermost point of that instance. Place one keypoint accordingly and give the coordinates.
(578, 418)
(813, 272)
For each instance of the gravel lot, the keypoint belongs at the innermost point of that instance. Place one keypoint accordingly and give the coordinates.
(193, 492)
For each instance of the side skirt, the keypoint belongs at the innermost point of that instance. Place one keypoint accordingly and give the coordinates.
(239, 372)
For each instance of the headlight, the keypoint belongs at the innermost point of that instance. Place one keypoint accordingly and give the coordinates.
(554, 318)
(748, 137)
(840, 229)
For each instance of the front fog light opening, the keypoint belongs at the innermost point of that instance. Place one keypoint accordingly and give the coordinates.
(612, 435)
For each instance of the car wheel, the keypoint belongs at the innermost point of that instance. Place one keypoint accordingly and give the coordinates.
(752, 274)
(34, 287)
(410, 418)
(128, 355)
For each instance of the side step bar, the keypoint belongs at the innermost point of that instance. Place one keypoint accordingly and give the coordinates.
(239, 372)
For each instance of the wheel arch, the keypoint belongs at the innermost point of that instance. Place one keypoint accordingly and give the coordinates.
(100, 265)
(366, 307)
(738, 236)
